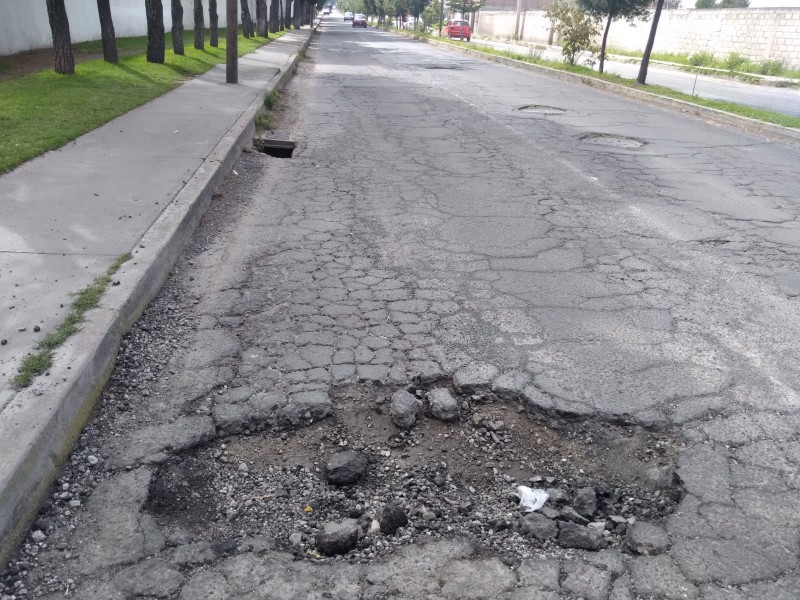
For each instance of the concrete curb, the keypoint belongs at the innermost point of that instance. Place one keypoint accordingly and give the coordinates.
(707, 114)
(46, 419)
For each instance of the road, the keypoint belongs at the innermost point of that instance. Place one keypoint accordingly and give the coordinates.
(785, 101)
(594, 297)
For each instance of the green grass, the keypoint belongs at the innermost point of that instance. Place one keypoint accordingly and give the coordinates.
(732, 62)
(85, 300)
(5, 65)
(271, 99)
(42, 111)
(730, 107)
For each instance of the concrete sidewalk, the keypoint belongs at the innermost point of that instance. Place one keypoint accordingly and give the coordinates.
(138, 184)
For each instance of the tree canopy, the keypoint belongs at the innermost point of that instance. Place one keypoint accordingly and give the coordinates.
(611, 10)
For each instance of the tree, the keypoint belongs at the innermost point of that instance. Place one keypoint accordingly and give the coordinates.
(287, 15)
(177, 27)
(155, 31)
(612, 10)
(574, 27)
(213, 24)
(274, 23)
(651, 40)
(62, 42)
(262, 18)
(199, 25)
(247, 20)
(705, 4)
(733, 4)
(464, 7)
(107, 32)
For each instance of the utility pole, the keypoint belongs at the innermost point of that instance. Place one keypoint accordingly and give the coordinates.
(516, 26)
(232, 43)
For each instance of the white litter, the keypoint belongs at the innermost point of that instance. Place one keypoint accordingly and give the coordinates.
(531, 500)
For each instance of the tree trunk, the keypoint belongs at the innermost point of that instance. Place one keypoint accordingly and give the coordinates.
(213, 24)
(199, 25)
(642, 78)
(177, 27)
(603, 45)
(281, 24)
(247, 20)
(62, 43)
(262, 19)
(273, 16)
(288, 14)
(107, 32)
(155, 31)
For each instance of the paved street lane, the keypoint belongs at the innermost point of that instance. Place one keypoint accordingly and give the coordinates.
(467, 278)
(785, 101)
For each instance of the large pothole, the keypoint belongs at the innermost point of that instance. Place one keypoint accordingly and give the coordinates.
(540, 109)
(450, 478)
(611, 140)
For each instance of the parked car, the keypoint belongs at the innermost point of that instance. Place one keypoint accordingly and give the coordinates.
(360, 20)
(458, 29)
(348, 16)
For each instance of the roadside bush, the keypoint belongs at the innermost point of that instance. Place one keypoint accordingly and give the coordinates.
(736, 62)
(701, 59)
(575, 28)
(771, 67)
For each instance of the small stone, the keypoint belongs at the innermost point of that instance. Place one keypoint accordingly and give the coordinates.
(538, 526)
(345, 468)
(3, 342)
(647, 538)
(243, 468)
(338, 538)
(556, 496)
(572, 535)
(36, 329)
(92, 459)
(391, 518)
(38, 537)
(585, 502)
(570, 514)
(443, 405)
(404, 408)
(296, 539)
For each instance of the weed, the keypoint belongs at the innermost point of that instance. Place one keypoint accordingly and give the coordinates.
(264, 121)
(771, 67)
(736, 62)
(271, 99)
(86, 299)
(701, 59)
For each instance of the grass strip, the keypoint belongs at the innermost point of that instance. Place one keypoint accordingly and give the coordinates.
(84, 300)
(729, 107)
(43, 111)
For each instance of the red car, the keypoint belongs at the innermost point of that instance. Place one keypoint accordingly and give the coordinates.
(458, 29)
(360, 21)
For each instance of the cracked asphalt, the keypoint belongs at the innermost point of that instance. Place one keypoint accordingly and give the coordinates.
(427, 230)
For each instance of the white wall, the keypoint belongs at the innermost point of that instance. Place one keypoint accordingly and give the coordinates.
(24, 24)
(759, 34)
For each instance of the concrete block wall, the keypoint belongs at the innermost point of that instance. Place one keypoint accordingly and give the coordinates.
(757, 33)
(24, 24)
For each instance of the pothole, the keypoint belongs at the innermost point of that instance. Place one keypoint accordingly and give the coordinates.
(274, 145)
(450, 478)
(541, 109)
(611, 140)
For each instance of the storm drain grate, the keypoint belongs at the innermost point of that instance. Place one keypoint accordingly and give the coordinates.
(276, 146)
(612, 140)
(541, 109)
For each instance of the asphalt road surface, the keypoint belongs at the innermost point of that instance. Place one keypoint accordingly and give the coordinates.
(626, 276)
(785, 101)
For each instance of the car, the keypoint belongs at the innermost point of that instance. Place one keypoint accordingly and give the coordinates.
(348, 16)
(458, 29)
(327, 10)
(360, 20)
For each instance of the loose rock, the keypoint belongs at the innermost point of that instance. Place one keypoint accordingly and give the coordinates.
(391, 518)
(443, 405)
(647, 538)
(572, 535)
(404, 408)
(538, 526)
(585, 502)
(345, 468)
(338, 538)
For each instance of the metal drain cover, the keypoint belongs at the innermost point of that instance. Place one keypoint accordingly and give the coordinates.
(541, 109)
(612, 140)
